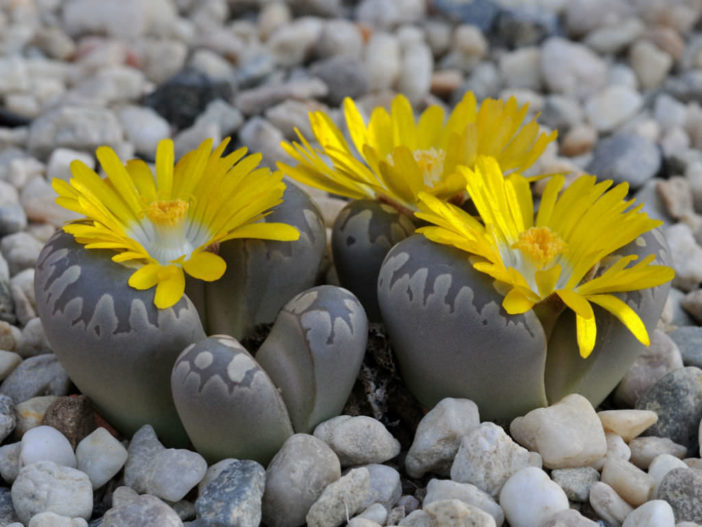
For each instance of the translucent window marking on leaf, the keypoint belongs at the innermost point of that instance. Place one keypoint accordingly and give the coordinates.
(566, 251)
(164, 223)
(393, 157)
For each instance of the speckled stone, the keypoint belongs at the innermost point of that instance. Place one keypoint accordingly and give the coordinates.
(682, 488)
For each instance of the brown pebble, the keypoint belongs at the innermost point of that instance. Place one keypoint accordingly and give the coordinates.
(73, 416)
(578, 140)
(669, 40)
(444, 82)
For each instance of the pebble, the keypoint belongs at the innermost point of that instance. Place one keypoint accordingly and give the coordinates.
(629, 481)
(529, 497)
(445, 489)
(358, 440)
(21, 251)
(73, 416)
(661, 357)
(295, 478)
(520, 68)
(614, 38)
(162, 58)
(684, 252)
(30, 413)
(228, 118)
(439, 435)
(682, 489)
(340, 500)
(9, 461)
(12, 219)
(569, 518)
(190, 138)
(417, 518)
(661, 465)
(385, 486)
(566, 434)
(677, 399)
(362, 522)
(292, 44)
(576, 482)
(339, 37)
(256, 100)
(487, 457)
(45, 486)
(650, 63)
(608, 504)
(8, 420)
(688, 340)
(171, 473)
(143, 447)
(571, 68)
(480, 13)
(655, 513)
(32, 341)
(382, 60)
(100, 456)
(416, 72)
(645, 449)
(616, 447)
(526, 25)
(627, 423)
(234, 496)
(627, 158)
(40, 375)
(376, 513)
(45, 443)
(22, 289)
(446, 513)
(145, 511)
(579, 140)
(51, 519)
(612, 107)
(144, 128)
(344, 75)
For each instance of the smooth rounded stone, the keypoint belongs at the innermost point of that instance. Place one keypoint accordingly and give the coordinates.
(8, 420)
(7, 308)
(340, 500)
(42, 374)
(689, 341)
(576, 482)
(45, 443)
(145, 511)
(655, 513)
(608, 504)
(382, 60)
(612, 106)
(385, 486)
(685, 253)
(234, 496)
(161, 58)
(487, 457)
(661, 357)
(418, 518)
(571, 68)
(9, 461)
(271, 17)
(358, 440)
(579, 140)
(529, 497)
(293, 43)
(339, 37)
(438, 436)
(12, 219)
(625, 158)
(480, 13)
(73, 416)
(188, 139)
(295, 478)
(616, 447)
(682, 489)
(75, 127)
(452, 512)
(566, 434)
(677, 399)
(645, 449)
(668, 111)
(259, 135)
(144, 128)
(629, 481)
(524, 25)
(227, 117)
(51, 519)
(569, 518)
(612, 39)
(650, 63)
(100, 456)
(21, 251)
(344, 75)
(9, 334)
(676, 193)
(416, 72)
(692, 303)
(445, 489)
(362, 522)
(661, 465)
(30, 413)
(45, 486)
(627, 424)
(171, 473)
(520, 68)
(375, 512)
(33, 340)
(24, 299)
(143, 447)
(38, 200)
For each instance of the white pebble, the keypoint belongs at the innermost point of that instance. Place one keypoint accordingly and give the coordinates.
(529, 497)
(608, 504)
(655, 513)
(627, 423)
(612, 107)
(51, 519)
(661, 465)
(45, 443)
(100, 456)
(629, 481)
(454, 512)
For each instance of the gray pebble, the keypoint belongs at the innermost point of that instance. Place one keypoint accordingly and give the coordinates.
(22, 290)
(7, 305)
(445, 489)
(625, 158)
(677, 399)
(340, 500)
(20, 250)
(682, 489)
(689, 342)
(9, 461)
(228, 118)
(8, 420)
(259, 135)
(358, 440)
(526, 25)
(7, 510)
(576, 482)
(233, 497)
(33, 341)
(12, 219)
(145, 511)
(645, 449)
(173, 472)
(40, 375)
(344, 76)
(385, 486)
(143, 447)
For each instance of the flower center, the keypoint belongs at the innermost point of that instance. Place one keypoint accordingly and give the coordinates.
(166, 213)
(431, 163)
(540, 245)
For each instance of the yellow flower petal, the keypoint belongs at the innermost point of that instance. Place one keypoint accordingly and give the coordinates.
(205, 266)
(587, 334)
(170, 287)
(145, 277)
(624, 313)
(517, 302)
(576, 302)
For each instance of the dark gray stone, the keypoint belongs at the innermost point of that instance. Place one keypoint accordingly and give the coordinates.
(12, 219)
(686, 87)
(7, 510)
(7, 304)
(344, 75)
(481, 13)
(625, 158)
(682, 488)
(8, 420)
(233, 497)
(40, 375)
(677, 399)
(526, 26)
(689, 341)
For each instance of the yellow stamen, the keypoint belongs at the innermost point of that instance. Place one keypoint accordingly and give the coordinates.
(540, 245)
(167, 213)
(431, 163)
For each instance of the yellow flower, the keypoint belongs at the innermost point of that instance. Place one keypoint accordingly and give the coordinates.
(565, 252)
(395, 157)
(165, 224)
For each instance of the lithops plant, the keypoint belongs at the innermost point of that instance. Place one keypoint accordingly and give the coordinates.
(233, 405)
(395, 157)
(141, 233)
(513, 309)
